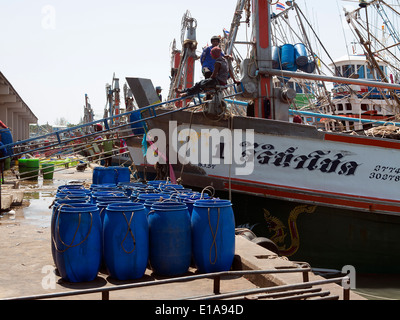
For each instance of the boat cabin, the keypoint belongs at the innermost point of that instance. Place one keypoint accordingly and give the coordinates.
(357, 101)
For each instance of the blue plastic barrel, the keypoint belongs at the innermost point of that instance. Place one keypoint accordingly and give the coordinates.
(137, 128)
(300, 54)
(107, 186)
(213, 235)
(156, 183)
(113, 175)
(288, 58)
(141, 198)
(128, 187)
(111, 193)
(6, 138)
(71, 187)
(108, 198)
(74, 192)
(276, 57)
(78, 242)
(171, 186)
(148, 204)
(126, 240)
(170, 238)
(102, 205)
(147, 189)
(81, 197)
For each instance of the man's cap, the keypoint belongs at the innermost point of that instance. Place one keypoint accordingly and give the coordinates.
(216, 51)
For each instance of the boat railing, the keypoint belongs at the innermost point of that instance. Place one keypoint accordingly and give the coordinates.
(198, 100)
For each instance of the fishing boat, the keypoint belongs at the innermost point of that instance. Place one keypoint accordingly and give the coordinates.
(328, 198)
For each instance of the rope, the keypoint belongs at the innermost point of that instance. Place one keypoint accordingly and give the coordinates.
(129, 231)
(212, 192)
(76, 232)
(214, 236)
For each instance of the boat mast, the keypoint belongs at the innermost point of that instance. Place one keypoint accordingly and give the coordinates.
(184, 61)
(366, 44)
(262, 33)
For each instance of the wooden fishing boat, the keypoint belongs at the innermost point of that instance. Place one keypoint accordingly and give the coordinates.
(328, 198)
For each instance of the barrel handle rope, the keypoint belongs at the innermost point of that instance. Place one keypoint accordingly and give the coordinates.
(129, 231)
(55, 219)
(101, 211)
(73, 239)
(214, 236)
(212, 192)
(175, 194)
(151, 212)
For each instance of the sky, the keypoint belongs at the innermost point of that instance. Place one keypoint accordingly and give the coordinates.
(54, 52)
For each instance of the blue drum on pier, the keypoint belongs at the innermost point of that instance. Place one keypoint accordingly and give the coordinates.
(71, 187)
(101, 194)
(148, 204)
(300, 54)
(128, 187)
(126, 240)
(213, 235)
(74, 196)
(141, 198)
(156, 183)
(103, 204)
(111, 175)
(66, 192)
(78, 242)
(6, 138)
(288, 58)
(110, 198)
(170, 238)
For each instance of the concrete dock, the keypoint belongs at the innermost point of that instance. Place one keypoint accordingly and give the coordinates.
(28, 270)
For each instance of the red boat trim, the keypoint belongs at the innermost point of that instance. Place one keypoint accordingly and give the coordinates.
(362, 141)
(329, 198)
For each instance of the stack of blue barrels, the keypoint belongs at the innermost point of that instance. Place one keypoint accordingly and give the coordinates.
(292, 58)
(129, 226)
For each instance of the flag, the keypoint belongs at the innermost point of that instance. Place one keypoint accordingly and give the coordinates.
(280, 6)
(226, 32)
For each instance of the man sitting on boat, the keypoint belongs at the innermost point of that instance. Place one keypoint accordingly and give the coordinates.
(219, 76)
(207, 61)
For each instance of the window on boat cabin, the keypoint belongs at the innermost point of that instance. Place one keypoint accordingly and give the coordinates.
(348, 70)
(361, 72)
(378, 76)
(370, 74)
(337, 72)
(364, 107)
(348, 106)
(340, 107)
